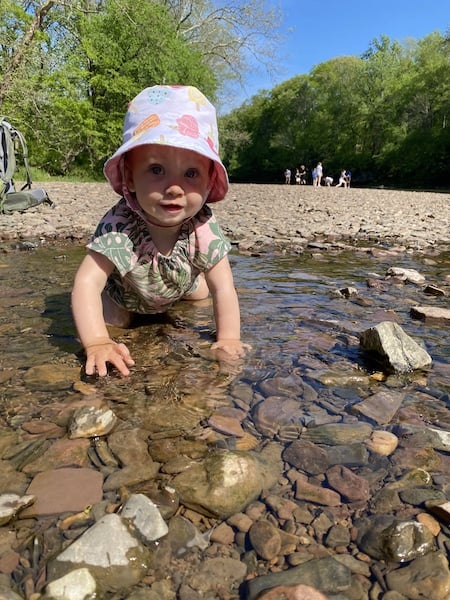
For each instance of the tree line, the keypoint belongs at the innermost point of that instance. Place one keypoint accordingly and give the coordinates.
(385, 116)
(68, 68)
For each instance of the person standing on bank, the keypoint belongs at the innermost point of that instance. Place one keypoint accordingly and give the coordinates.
(319, 174)
(161, 242)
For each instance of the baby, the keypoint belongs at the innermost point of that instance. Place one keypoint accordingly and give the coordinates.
(161, 242)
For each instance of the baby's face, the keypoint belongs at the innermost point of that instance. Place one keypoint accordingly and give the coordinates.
(171, 184)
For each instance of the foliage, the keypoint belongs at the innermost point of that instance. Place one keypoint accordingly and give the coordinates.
(68, 68)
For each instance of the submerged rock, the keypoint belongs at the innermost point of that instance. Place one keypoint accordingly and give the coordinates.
(226, 482)
(399, 541)
(113, 556)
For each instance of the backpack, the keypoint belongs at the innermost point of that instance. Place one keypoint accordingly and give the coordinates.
(10, 199)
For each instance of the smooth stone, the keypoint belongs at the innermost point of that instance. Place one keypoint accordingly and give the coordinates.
(380, 407)
(425, 577)
(145, 516)
(11, 504)
(265, 539)
(382, 442)
(62, 453)
(335, 434)
(12, 481)
(226, 425)
(350, 486)
(324, 574)
(226, 482)
(131, 475)
(129, 446)
(409, 275)
(76, 585)
(296, 592)
(399, 541)
(215, 574)
(114, 557)
(51, 377)
(316, 494)
(431, 313)
(350, 455)
(306, 456)
(63, 490)
(89, 421)
(419, 496)
(278, 416)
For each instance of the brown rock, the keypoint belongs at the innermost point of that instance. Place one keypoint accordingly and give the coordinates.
(352, 487)
(63, 490)
(265, 540)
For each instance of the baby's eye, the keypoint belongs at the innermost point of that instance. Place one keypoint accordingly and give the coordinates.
(156, 169)
(191, 173)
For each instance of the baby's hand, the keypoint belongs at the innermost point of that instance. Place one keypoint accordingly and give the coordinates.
(104, 350)
(232, 348)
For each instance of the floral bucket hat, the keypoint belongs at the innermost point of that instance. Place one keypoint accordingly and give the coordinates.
(172, 115)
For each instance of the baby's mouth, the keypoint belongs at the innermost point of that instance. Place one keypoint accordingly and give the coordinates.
(171, 207)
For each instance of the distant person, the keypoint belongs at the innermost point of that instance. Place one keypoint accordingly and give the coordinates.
(328, 181)
(314, 177)
(297, 177)
(287, 176)
(319, 173)
(302, 175)
(348, 176)
(342, 179)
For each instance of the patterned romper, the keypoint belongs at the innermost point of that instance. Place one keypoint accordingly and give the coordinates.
(145, 281)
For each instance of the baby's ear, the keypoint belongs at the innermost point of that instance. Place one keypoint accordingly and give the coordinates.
(126, 173)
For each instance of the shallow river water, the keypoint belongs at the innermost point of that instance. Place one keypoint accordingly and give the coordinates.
(301, 314)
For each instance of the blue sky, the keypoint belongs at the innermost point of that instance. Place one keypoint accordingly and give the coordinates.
(315, 31)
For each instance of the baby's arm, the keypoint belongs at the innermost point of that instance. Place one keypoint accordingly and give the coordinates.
(87, 311)
(226, 309)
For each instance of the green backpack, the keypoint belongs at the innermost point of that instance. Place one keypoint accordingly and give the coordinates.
(10, 199)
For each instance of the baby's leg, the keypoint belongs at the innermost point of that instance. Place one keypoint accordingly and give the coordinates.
(114, 314)
(201, 291)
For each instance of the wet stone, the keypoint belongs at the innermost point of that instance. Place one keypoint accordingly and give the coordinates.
(265, 539)
(350, 486)
(51, 377)
(306, 456)
(326, 575)
(316, 494)
(113, 556)
(89, 421)
(63, 490)
(61, 453)
(425, 577)
(338, 433)
(431, 313)
(380, 407)
(394, 349)
(399, 541)
(277, 416)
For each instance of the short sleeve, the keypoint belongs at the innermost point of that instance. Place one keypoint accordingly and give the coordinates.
(211, 244)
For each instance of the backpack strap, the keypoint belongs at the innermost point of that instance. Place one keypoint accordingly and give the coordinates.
(23, 143)
(7, 154)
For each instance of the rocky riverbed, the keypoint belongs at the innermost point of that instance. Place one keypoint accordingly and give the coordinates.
(304, 473)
